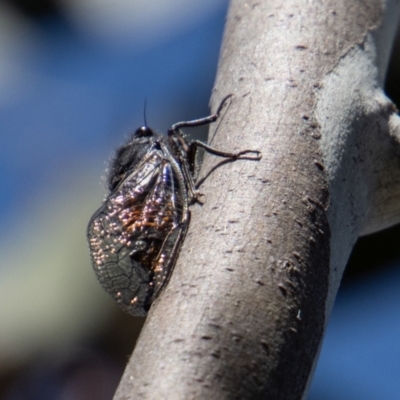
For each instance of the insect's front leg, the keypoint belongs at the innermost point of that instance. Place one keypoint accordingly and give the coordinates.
(201, 121)
(234, 156)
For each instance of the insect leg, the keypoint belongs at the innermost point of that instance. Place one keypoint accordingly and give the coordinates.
(200, 121)
(196, 143)
(194, 194)
(193, 164)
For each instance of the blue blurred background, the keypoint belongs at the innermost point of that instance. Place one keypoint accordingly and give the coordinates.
(73, 78)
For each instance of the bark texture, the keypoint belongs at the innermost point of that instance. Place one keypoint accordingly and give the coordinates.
(245, 310)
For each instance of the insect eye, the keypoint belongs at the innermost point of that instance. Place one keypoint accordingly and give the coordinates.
(143, 131)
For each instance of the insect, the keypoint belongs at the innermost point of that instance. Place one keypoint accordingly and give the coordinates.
(135, 236)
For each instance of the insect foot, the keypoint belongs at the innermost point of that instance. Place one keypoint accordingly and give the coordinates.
(136, 234)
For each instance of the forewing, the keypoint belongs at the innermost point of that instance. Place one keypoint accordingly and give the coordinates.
(135, 235)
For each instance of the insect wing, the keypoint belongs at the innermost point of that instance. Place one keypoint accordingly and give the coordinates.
(135, 236)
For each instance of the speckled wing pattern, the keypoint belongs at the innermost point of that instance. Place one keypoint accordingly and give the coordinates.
(135, 236)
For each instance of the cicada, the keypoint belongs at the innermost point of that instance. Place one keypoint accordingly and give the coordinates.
(135, 236)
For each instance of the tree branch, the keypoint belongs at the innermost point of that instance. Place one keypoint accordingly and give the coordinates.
(244, 313)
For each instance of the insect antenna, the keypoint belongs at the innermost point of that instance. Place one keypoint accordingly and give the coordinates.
(144, 112)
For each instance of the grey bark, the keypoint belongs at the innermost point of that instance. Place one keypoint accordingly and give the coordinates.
(244, 313)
